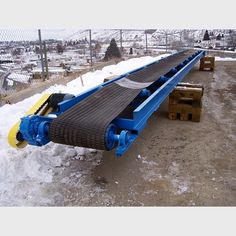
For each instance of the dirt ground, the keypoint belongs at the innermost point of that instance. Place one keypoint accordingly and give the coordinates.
(172, 163)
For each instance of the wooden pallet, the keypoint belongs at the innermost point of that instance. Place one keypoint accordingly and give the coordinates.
(207, 63)
(186, 93)
(185, 102)
(185, 112)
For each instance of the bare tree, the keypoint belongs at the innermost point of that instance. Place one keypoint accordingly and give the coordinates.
(168, 36)
(232, 38)
(206, 36)
(112, 51)
(97, 49)
(60, 48)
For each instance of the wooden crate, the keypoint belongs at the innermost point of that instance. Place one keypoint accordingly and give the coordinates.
(185, 112)
(185, 102)
(207, 63)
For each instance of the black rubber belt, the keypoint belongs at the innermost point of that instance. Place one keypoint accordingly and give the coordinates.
(85, 123)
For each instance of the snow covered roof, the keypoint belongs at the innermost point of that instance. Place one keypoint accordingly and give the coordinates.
(50, 69)
(19, 77)
(77, 68)
(6, 57)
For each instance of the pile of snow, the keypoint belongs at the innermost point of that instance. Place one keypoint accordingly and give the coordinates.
(50, 69)
(25, 173)
(225, 59)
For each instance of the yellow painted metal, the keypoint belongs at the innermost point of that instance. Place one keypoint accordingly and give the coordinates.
(39, 108)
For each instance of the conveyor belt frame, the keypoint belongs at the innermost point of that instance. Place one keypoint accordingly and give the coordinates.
(122, 132)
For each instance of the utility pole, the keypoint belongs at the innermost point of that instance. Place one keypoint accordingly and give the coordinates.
(90, 48)
(166, 40)
(193, 39)
(146, 32)
(180, 38)
(146, 42)
(45, 59)
(121, 48)
(41, 54)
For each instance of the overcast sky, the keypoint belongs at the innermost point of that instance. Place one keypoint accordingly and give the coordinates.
(32, 34)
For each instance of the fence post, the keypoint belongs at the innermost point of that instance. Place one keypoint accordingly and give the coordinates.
(90, 48)
(121, 47)
(45, 59)
(146, 43)
(41, 54)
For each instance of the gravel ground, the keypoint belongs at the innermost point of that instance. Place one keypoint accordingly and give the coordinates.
(172, 163)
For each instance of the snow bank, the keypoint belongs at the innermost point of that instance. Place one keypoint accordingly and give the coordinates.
(225, 59)
(24, 173)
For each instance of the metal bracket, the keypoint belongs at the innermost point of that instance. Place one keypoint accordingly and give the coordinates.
(34, 129)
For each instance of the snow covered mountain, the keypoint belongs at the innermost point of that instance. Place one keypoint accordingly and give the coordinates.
(97, 34)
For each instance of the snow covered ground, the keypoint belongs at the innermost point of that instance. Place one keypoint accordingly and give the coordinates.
(225, 59)
(34, 175)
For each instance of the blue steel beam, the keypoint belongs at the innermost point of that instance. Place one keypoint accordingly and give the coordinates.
(142, 113)
(160, 94)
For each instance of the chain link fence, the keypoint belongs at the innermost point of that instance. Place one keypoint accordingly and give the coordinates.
(29, 57)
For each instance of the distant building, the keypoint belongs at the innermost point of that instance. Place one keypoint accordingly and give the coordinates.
(15, 81)
(52, 72)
